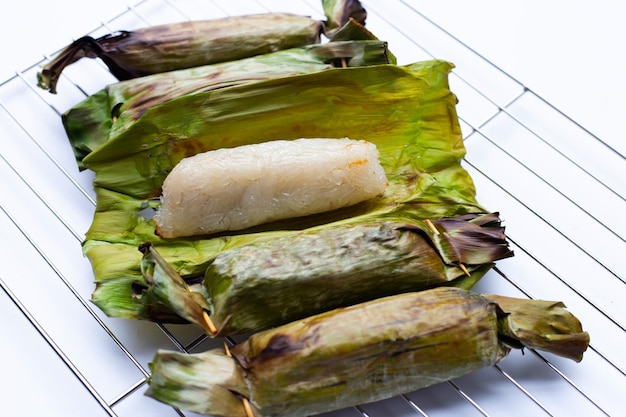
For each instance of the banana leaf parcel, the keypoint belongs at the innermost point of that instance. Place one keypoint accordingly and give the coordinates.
(262, 285)
(363, 353)
(155, 49)
(407, 111)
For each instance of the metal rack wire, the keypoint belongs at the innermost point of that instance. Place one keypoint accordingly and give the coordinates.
(498, 115)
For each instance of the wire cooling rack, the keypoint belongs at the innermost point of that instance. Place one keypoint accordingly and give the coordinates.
(558, 187)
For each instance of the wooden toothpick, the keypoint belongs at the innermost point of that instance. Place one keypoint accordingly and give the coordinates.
(209, 322)
(431, 226)
(464, 269)
(247, 407)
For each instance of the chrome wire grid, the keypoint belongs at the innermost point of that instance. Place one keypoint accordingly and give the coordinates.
(559, 189)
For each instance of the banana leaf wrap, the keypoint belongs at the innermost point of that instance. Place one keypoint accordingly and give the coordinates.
(268, 283)
(155, 49)
(162, 48)
(408, 112)
(89, 123)
(362, 353)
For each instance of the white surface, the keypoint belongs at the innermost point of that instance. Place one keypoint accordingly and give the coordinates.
(567, 229)
(569, 52)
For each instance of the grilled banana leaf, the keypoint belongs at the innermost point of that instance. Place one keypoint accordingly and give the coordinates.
(89, 123)
(363, 353)
(408, 112)
(168, 47)
(272, 282)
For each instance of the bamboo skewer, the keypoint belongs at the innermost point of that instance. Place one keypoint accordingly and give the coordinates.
(464, 269)
(244, 400)
(209, 322)
(246, 407)
(431, 226)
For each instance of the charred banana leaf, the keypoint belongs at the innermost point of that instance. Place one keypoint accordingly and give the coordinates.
(363, 353)
(162, 48)
(89, 123)
(273, 282)
(519, 327)
(339, 12)
(155, 49)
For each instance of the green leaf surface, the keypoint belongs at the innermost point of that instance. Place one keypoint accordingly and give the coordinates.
(408, 112)
(88, 124)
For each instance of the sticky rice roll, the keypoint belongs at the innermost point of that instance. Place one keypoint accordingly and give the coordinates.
(235, 188)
